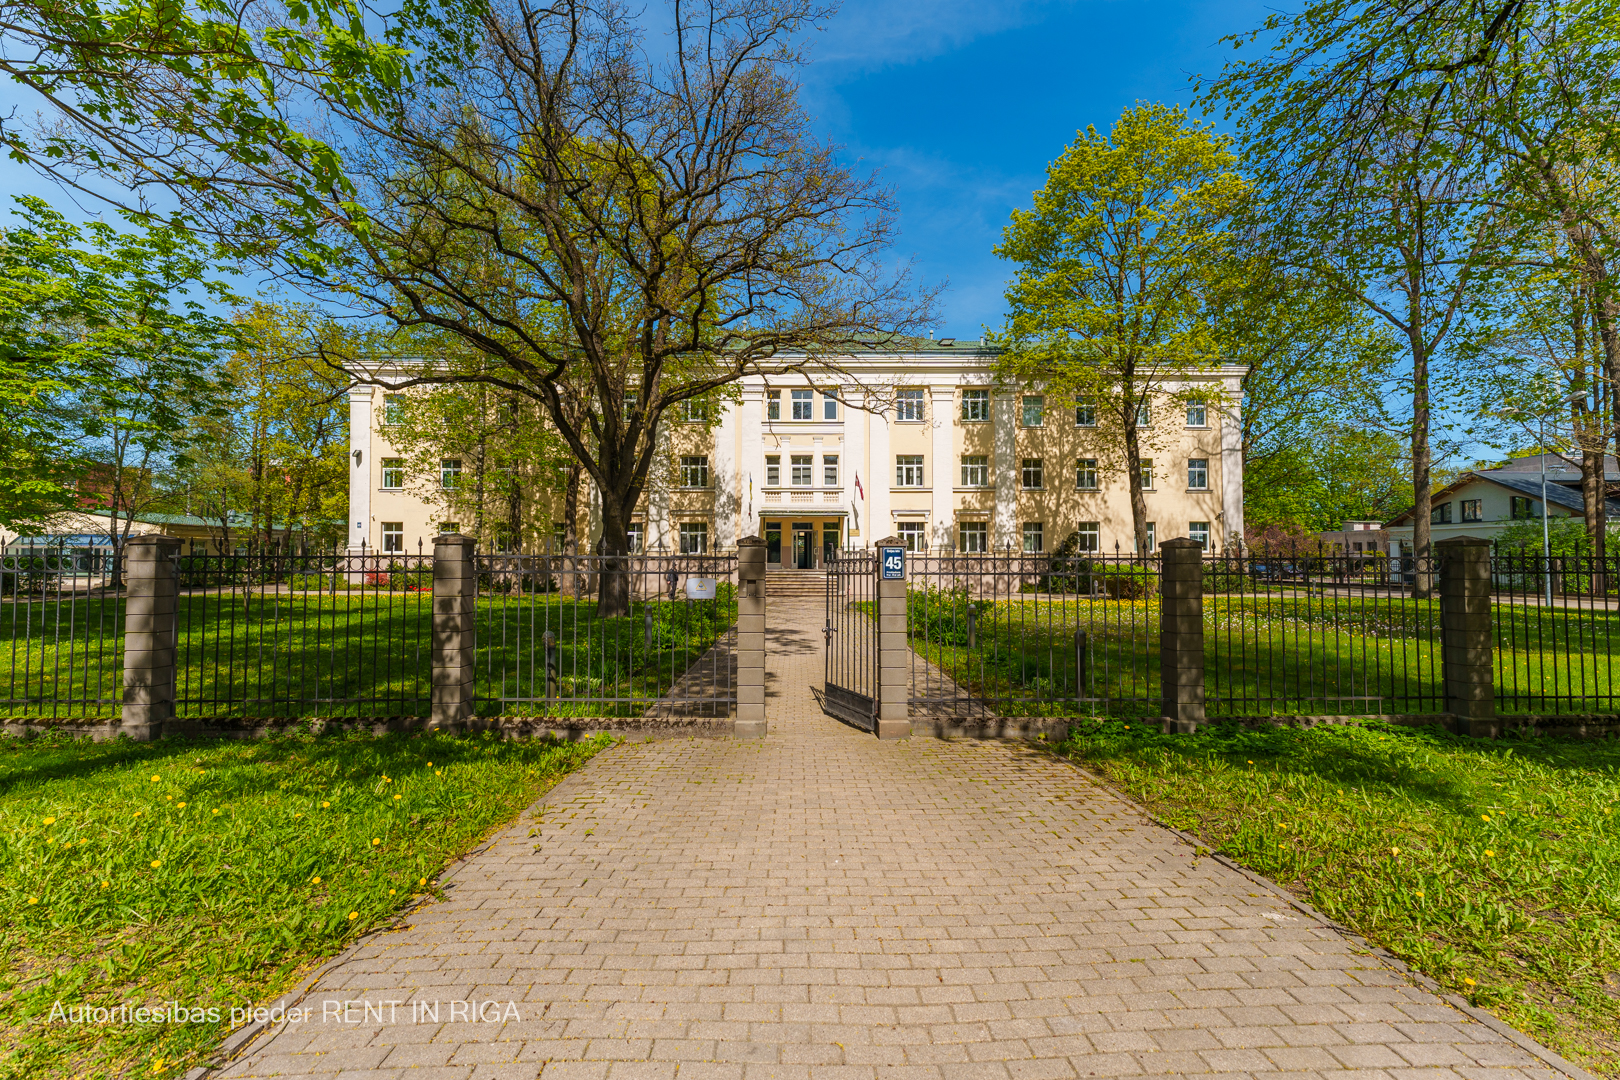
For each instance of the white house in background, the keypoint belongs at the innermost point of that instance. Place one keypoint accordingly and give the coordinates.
(1481, 504)
(946, 459)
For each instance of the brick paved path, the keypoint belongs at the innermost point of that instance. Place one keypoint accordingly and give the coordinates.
(822, 906)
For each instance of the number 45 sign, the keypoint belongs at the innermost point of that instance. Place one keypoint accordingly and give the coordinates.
(894, 563)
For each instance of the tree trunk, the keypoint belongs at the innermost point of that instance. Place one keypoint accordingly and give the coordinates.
(570, 551)
(1133, 474)
(1422, 497)
(613, 583)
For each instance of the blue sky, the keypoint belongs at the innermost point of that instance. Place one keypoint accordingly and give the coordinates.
(961, 106)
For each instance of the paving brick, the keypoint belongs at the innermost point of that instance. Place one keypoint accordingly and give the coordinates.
(819, 905)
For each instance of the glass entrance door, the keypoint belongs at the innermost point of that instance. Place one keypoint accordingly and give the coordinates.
(829, 541)
(773, 543)
(804, 539)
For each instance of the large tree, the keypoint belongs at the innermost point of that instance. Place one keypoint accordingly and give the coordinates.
(1118, 263)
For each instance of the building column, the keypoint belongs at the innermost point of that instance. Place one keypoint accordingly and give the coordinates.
(360, 465)
(1231, 421)
(879, 519)
(1004, 439)
(723, 475)
(151, 638)
(854, 459)
(751, 457)
(942, 472)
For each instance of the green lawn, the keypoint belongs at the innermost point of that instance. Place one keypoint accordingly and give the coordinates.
(1264, 655)
(212, 874)
(352, 653)
(1492, 866)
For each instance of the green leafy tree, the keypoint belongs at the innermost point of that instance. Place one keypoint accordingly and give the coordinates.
(1118, 262)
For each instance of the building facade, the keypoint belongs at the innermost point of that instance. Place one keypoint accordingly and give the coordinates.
(1484, 503)
(921, 444)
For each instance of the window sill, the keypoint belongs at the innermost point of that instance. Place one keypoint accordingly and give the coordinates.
(1087, 490)
(390, 490)
(893, 490)
(1032, 489)
(967, 488)
(1199, 491)
(917, 421)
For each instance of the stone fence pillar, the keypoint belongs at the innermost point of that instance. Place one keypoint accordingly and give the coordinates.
(455, 594)
(750, 638)
(1181, 635)
(151, 634)
(1466, 647)
(894, 684)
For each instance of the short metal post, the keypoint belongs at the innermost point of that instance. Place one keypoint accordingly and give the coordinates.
(1181, 635)
(1466, 650)
(455, 597)
(750, 721)
(894, 686)
(151, 629)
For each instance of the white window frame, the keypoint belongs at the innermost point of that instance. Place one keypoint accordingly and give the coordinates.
(1198, 533)
(1034, 537)
(773, 404)
(393, 537)
(694, 410)
(803, 401)
(913, 534)
(909, 406)
(829, 470)
(1147, 474)
(975, 406)
(635, 535)
(1197, 474)
(393, 408)
(829, 406)
(908, 471)
(449, 473)
(807, 462)
(1085, 474)
(694, 537)
(975, 470)
(694, 470)
(978, 531)
(1144, 414)
(1197, 414)
(1033, 468)
(773, 470)
(1085, 414)
(1090, 536)
(393, 468)
(1032, 410)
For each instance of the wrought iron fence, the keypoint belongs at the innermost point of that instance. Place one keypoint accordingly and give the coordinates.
(62, 632)
(544, 649)
(1313, 633)
(1033, 634)
(850, 683)
(336, 633)
(1556, 623)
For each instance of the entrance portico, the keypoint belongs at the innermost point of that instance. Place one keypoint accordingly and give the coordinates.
(801, 541)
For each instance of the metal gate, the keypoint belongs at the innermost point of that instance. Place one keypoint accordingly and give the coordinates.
(850, 691)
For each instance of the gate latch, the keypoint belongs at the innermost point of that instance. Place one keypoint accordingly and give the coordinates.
(829, 630)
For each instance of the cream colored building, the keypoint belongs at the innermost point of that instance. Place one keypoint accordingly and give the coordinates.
(921, 444)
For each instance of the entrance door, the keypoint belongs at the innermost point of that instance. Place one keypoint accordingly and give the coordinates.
(829, 542)
(773, 543)
(804, 538)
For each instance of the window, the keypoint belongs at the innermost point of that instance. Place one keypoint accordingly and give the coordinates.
(829, 470)
(694, 538)
(393, 536)
(908, 405)
(908, 470)
(972, 537)
(1472, 510)
(1198, 533)
(829, 406)
(631, 399)
(773, 404)
(1147, 474)
(1033, 470)
(393, 408)
(635, 535)
(1152, 538)
(1090, 535)
(1144, 415)
(1198, 473)
(1085, 474)
(1034, 540)
(1085, 414)
(1197, 414)
(449, 473)
(559, 535)
(802, 465)
(1440, 515)
(913, 534)
(975, 405)
(1033, 413)
(975, 471)
(393, 470)
(802, 404)
(773, 470)
(694, 471)
(1520, 508)
(449, 527)
(694, 410)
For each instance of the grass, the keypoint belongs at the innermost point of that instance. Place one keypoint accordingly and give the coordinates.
(1264, 654)
(350, 653)
(213, 874)
(1491, 866)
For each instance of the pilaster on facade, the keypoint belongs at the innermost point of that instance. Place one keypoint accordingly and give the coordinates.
(855, 465)
(880, 460)
(724, 476)
(751, 453)
(1004, 440)
(942, 417)
(360, 464)
(1232, 465)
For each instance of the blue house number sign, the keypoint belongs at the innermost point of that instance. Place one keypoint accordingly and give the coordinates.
(894, 563)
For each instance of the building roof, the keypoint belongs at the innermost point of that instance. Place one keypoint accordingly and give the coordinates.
(1519, 481)
(1561, 468)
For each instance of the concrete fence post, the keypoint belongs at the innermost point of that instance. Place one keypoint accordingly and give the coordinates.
(1465, 635)
(750, 722)
(894, 684)
(151, 635)
(455, 596)
(1181, 635)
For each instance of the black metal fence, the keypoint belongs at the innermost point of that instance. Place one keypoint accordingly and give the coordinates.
(61, 633)
(1033, 634)
(320, 634)
(1557, 625)
(1301, 633)
(544, 650)
(850, 685)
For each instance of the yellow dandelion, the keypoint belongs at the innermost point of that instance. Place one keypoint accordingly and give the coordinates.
(438, 772)
(83, 840)
(50, 841)
(137, 813)
(354, 914)
(423, 881)
(375, 841)
(325, 804)
(50, 821)
(104, 884)
(390, 892)
(316, 879)
(1470, 982)
(33, 899)
(1420, 894)
(179, 804)
(216, 809)
(156, 863)
(430, 764)
(1490, 854)
(168, 798)
(1251, 761)
(298, 815)
(398, 797)
(1484, 817)
(156, 778)
(1394, 851)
